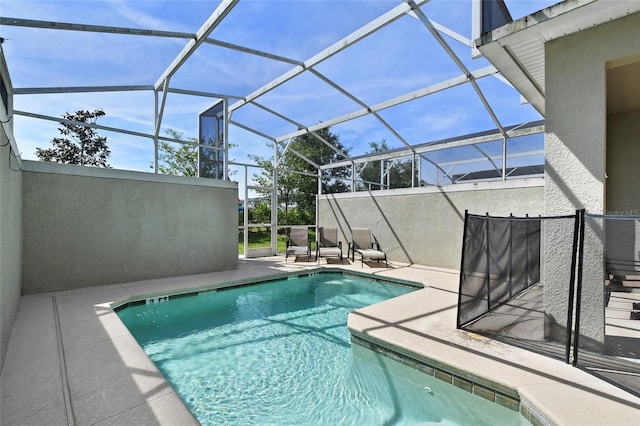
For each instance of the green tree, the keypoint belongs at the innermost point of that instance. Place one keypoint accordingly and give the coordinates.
(260, 213)
(300, 190)
(81, 145)
(179, 160)
(399, 171)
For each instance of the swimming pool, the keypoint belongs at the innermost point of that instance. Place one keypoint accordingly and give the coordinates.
(280, 353)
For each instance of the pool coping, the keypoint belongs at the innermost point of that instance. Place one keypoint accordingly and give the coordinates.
(474, 384)
(421, 327)
(159, 297)
(94, 343)
(478, 385)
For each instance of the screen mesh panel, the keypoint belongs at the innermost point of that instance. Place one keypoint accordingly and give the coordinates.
(521, 283)
(500, 259)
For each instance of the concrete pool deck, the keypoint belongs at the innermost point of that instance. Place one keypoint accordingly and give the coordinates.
(69, 355)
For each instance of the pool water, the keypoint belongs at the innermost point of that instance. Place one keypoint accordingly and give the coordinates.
(280, 354)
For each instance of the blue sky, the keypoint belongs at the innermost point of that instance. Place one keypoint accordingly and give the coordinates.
(396, 60)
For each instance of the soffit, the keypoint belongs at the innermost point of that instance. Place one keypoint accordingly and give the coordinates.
(517, 49)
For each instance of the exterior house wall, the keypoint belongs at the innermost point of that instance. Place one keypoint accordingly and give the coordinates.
(424, 225)
(575, 152)
(86, 226)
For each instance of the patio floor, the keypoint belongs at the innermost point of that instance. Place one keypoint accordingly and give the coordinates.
(70, 356)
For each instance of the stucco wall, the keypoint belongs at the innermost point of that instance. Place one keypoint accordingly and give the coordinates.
(10, 242)
(424, 225)
(87, 226)
(10, 221)
(575, 151)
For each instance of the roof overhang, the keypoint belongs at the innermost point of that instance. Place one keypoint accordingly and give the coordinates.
(517, 48)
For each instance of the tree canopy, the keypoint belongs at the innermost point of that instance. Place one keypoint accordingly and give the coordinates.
(181, 160)
(296, 189)
(397, 174)
(81, 145)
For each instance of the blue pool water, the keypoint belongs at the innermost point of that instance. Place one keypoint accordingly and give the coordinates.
(280, 354)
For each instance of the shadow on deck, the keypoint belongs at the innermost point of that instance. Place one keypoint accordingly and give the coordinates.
(522, 322)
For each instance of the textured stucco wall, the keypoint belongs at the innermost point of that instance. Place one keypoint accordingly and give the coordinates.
(10, 242)
(88, 226)
(10, 223)
(424, 225)
(623, 171)
(575, 152)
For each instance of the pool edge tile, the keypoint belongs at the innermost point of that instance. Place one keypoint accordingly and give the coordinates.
(497, 396)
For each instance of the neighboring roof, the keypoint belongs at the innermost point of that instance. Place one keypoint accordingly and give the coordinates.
(517, 48)
(537, 170)
(472, 138)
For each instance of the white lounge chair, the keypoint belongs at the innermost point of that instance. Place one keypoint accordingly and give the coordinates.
(298, 242)
(365, 245)
(328, 244)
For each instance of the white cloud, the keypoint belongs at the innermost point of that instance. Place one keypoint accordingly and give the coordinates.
(138, 18)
